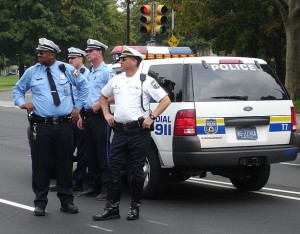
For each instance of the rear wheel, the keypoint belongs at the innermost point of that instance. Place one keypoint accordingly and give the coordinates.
(253, 179)
(155, 177)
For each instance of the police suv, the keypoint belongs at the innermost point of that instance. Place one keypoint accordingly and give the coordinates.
(229, 116)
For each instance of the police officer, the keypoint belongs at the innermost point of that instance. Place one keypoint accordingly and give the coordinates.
(96, 128)
(52, 111)
(76, 58)
(131, 121)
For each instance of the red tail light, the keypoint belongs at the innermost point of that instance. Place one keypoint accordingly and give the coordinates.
(185, 123)
(294, 119)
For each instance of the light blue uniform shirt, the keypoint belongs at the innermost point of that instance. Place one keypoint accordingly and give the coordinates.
(85, 72)
(35, 78)
(98, 78)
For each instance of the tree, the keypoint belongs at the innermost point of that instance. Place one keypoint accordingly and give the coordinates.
(247, 28)
(290, 13)
(66, 22)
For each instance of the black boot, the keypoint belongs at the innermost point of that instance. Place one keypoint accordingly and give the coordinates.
(134, 210)
(136, 197)
(111, 210)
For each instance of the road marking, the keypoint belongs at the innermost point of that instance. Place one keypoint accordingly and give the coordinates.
(229, 185)
(291, 164)
(151, 221)
(97, 227)
(277, 195)
(16, 204)
(191, 180)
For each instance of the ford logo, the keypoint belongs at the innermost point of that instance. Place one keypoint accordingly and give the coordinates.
(248, 108)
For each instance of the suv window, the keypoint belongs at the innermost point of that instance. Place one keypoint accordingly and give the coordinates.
(226, 84)
(169, 76)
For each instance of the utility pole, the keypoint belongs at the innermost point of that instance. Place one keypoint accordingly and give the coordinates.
(127, 24)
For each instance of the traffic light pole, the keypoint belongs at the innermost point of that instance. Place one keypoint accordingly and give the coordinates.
(152, 41)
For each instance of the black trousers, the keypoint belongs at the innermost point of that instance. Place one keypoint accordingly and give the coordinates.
(97, 133)
(129, 146)
(79, 144)
(52, 140)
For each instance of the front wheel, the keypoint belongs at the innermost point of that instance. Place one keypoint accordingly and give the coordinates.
(253, 179)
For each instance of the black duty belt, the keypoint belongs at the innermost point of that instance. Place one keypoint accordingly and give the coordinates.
(126, 126)
(51, 120)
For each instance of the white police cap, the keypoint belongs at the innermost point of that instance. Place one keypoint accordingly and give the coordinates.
(75, 52)
(94, 44)
(47, 45)
(127, 51)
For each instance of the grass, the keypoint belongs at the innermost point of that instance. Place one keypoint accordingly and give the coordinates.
(8, 82)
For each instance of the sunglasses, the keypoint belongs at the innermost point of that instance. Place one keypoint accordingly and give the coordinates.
(124, 58)
(42, 52)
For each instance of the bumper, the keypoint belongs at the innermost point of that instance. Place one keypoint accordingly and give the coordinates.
(232, 158)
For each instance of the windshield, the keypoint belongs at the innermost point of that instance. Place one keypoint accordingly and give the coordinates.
(233, 84)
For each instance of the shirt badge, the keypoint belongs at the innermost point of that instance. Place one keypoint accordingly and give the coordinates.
(98, 75)
(62, 76)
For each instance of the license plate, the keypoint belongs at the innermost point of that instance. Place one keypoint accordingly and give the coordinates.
(246, 133)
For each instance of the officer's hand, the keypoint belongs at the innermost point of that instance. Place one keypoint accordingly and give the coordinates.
(75, 114)
(27, 106)
(110, 119)
(80, 123)
(95, 107)
(147, 122)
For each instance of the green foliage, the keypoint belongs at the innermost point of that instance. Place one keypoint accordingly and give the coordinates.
(297, 105)
(66, 22)
(7, 82)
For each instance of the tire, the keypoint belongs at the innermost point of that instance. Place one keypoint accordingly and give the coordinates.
(155, 177)
(254, 178)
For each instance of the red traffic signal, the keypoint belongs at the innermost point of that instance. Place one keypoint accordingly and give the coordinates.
(146, 9)
(146, 19)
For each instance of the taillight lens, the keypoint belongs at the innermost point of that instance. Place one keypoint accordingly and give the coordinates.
(185, 123)
(294, 119)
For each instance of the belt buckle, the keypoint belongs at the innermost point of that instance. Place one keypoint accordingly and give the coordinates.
(124, 126)
(55, 120)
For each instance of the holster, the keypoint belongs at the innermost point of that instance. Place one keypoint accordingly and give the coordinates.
(141, 121)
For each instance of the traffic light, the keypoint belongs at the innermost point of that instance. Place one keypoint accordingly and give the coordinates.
(146, 19)
(160, 19)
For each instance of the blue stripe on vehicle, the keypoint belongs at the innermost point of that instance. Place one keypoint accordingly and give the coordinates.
(280, 127)
(220, 130)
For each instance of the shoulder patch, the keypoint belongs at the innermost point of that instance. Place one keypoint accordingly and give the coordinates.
(112, 74)
(75, 73)
(155, 84)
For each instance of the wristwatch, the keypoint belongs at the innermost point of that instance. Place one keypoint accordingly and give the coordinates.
(152, 117)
